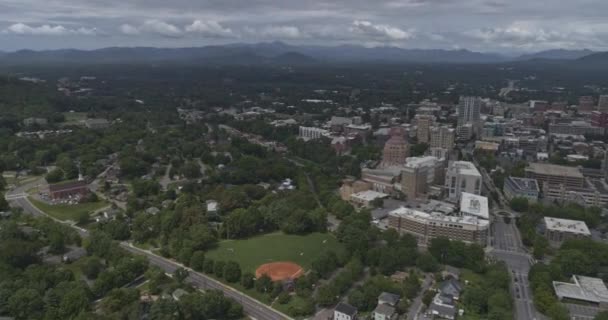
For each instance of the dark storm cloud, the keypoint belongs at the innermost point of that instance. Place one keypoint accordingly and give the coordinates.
(486, 25)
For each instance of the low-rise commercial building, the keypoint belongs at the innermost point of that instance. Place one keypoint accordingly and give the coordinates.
(593, 193)
(575, 128)
(559, 230)
(583, 289)
(515, 187)
(553, 174)
(311, 133)
(68, 190)
(364, 199)
(426, 226)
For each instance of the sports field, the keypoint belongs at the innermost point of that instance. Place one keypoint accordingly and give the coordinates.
(253, 252)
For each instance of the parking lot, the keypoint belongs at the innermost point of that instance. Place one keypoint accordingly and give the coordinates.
(581, 312)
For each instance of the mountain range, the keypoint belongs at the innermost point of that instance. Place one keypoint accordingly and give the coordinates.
(282, 54)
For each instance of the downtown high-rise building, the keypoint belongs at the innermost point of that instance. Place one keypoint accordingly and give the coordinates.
(469, 117)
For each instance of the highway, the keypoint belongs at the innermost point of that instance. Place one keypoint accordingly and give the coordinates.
(253, 308)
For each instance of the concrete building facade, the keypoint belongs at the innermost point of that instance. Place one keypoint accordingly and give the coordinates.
(462, 176)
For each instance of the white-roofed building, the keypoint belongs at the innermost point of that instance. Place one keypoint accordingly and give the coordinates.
(474, 205)
(587, 289)
(364, 198)
(426, 226)
(462, 176)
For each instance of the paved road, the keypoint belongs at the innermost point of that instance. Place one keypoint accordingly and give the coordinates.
(506, 245)
(416, 306)
(252, 307)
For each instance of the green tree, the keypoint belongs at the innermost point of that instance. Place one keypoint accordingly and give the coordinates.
(180, 275)
(558, 312)
(218, 268)
(26, 303)
(248, 280)
(91, 267)
(519, 204)
(197, 261)
(263, 284)
(427, 262)
(232, 272)
(209, 266)
(601, 316)
(428, 296)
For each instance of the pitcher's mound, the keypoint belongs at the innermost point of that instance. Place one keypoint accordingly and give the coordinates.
(280, 271)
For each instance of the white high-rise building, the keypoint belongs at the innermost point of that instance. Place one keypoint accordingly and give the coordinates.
(462, 176)
(469, 117)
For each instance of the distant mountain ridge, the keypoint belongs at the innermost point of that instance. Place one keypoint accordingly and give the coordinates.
(272, 53)
(557, 54)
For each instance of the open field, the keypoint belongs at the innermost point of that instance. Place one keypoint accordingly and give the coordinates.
(68, 212)
(253, 252)
(74, 117)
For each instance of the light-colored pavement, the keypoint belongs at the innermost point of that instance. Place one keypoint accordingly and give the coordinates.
(416, 307)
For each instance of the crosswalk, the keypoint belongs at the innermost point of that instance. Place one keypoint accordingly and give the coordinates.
(16, 196)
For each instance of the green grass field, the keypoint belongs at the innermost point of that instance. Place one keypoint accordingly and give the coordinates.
(74, 116)
(68, 212)
(251, 253)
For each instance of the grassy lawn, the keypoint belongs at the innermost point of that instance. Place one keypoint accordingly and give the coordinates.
(68, 212)
(74, 117)
(252, 252)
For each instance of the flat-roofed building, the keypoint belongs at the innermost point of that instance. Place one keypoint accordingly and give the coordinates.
(594, 193)
(462, 176)
(312, 133)
(382, 180)
(442, 137)
(559, 230)
(419, 173)
(364, 199)
(515, 187)
(584, 289)
(427, 226)
(553, 174)
(424, 122)
(474, 205)
(575, 128)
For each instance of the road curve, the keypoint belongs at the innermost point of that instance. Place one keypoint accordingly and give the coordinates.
(252, 307)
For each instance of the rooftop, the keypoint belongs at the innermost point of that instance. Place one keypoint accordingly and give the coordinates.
(582, 288)
(464, 168)
(346, 309)
(439, 217)
(566, 225)
(554, 170)
(414, 162)
(474, 205)
(385, 309)
(369, 195)
(523, 184)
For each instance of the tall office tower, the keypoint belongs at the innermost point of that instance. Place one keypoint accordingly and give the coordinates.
(469, 110)
(469, 117)
(603, 103)
(424, 123)
(396, 149)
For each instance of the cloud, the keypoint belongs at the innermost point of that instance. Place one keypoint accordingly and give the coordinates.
(277, 32)
(129, 29)
(161, 28)
(521, 34)
(212, 29)
(379, 31)
(48, 30)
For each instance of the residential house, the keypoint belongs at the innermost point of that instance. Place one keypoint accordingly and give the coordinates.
(386, 307)
(444, 303)
(344, 311)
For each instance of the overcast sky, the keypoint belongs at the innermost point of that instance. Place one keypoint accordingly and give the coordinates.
(480, 25)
